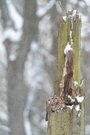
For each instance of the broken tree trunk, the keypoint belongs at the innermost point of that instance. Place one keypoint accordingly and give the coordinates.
(65, 110)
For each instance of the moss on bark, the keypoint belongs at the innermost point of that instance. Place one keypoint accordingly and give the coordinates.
(68, 121)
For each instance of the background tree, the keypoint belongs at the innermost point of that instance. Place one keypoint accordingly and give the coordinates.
(28, 33)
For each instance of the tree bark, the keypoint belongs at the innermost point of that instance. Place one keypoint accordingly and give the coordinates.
(65, 113)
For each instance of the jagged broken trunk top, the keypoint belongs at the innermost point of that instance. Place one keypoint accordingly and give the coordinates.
(65, 110)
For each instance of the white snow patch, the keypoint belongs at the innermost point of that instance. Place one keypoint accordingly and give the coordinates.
(82, 83)
(43, 123)
(74, 13)
(70, 107)
(73, 16)
(70, 34)
(12, 35)
(27, 124)
(74, 1)
(75, 83)
(3, 116)
(77, 108)
(58, 110)
(71, 39)
(64, 18)
(34, 46)
(67, 48)
(15, 16)
(88, 2)
(72, 100)
(41, 11)
(12, 57)
(5, 128)
(80, 99)
(82, 4)
(79, 114)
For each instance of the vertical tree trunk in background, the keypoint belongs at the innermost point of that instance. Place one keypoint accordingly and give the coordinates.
(63, 113)
(16, 97)
(17, 91)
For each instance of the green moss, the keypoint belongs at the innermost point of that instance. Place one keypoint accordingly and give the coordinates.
(67, 122)
(62, 41)
(76, 40)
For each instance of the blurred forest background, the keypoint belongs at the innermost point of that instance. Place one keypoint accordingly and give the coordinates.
(28, 61)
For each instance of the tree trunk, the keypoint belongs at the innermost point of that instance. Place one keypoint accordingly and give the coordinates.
(16, 98)
(65, 110)
(17, 90)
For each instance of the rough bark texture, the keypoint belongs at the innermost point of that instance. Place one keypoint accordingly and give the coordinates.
(63, 120)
